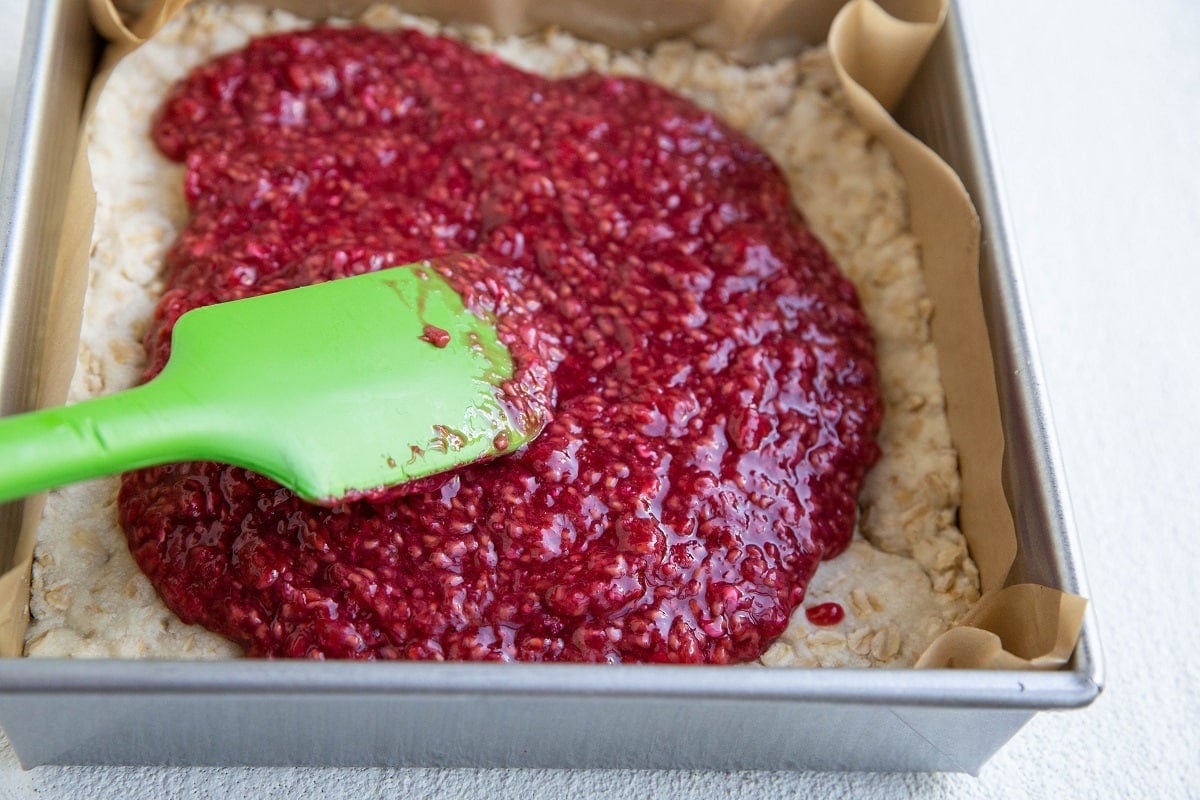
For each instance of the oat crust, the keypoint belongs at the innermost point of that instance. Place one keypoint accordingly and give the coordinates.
(906, 576)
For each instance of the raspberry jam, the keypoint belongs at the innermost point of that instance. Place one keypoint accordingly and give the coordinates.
(825, 614)
(716, 391)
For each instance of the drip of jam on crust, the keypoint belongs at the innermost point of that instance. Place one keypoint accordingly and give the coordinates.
(716, 392)
(825, 614)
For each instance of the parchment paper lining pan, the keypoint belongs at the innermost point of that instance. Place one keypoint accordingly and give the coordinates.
(877, 48)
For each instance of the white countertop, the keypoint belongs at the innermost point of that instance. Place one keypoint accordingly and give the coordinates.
(1094, 106)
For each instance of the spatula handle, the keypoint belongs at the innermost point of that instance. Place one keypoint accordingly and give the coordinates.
(136, 428)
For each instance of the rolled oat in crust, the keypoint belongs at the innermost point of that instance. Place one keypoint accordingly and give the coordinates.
(906, 576)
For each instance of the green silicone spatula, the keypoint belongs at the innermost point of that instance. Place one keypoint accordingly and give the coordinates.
(333, 390)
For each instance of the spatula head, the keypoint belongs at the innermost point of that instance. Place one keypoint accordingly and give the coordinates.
(347, 388)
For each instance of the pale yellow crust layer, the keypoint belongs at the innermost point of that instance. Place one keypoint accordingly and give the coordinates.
(906, 576)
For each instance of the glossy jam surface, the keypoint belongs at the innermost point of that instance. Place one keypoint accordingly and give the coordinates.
(716, 392)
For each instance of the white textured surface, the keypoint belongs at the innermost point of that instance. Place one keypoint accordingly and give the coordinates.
(1103, 179)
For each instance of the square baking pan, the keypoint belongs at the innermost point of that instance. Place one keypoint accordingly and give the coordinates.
(251, 712)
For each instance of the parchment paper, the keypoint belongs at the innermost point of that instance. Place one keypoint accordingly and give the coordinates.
(877, 48)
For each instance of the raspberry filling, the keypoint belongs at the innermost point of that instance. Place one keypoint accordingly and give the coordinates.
(716, 392)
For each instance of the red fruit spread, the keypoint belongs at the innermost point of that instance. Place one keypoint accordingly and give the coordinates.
(716, 393)
(825, 614)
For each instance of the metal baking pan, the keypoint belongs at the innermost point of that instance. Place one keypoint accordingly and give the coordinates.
(547, 715)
